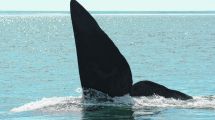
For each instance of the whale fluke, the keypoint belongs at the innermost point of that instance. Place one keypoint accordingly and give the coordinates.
(148, 88)
(101, 65)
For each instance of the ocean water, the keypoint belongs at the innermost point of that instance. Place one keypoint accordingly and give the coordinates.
(39, 77)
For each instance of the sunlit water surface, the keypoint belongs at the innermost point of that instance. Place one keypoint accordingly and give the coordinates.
(39, 73)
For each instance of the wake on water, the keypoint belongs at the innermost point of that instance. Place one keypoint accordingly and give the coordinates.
(75, 104)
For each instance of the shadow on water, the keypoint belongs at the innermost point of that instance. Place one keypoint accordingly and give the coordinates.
(118, 113)
(107, 113)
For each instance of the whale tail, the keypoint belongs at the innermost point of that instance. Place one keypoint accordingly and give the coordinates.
(148, 88)
(101, 65)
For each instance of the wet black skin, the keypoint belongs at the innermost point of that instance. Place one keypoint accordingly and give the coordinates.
(101, 65)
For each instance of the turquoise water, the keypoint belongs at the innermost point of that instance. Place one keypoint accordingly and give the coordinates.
(39, 73)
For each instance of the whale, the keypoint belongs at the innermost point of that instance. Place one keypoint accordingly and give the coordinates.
(101, 65)
(149, 88)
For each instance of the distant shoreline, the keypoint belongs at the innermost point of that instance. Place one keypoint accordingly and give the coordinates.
(108, 12)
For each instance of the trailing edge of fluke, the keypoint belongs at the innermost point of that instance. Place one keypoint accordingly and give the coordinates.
(101, 65)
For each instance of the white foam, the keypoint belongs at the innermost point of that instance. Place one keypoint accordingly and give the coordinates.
(207, 102)
(75, 103)
(79, 90)
(48, 102)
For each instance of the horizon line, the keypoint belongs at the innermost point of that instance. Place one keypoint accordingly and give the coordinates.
(116, 11)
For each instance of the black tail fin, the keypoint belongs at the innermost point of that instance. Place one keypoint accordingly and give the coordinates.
(101, 65)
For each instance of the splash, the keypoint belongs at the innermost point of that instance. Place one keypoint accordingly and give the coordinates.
(51, 104)
(70, 103)
(204, 102)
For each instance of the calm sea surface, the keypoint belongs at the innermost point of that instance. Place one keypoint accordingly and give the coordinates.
(39, 77)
